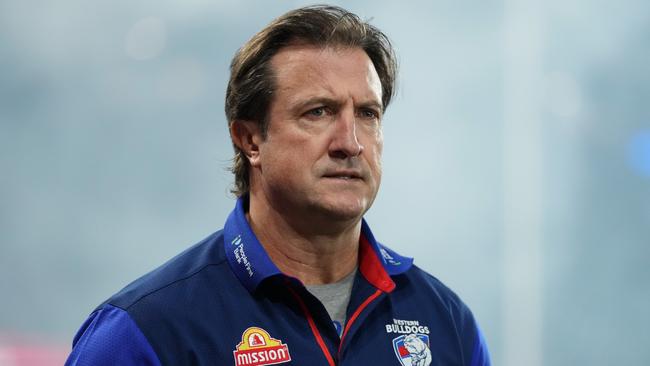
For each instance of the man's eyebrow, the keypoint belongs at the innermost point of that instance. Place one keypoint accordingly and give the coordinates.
(372, 104)
(298, 106)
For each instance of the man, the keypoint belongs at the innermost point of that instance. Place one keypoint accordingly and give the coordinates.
(296, 276)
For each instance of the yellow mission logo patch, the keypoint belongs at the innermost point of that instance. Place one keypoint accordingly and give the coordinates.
(257, 348)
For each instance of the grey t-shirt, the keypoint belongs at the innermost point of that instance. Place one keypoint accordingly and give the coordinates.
(335, 297)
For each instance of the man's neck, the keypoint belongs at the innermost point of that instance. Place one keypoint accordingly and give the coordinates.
(313, 256)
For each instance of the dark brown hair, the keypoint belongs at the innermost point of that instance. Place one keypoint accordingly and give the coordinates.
(251, 85)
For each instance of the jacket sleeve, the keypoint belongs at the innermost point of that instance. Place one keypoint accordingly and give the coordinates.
(111, 337)
(474, 347)
(480, 354)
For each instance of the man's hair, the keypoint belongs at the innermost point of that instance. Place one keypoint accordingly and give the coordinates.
(251, 86)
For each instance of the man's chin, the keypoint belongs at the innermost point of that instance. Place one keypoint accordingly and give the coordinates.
(342, 210)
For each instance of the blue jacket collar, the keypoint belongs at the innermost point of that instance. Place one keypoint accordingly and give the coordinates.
(252, 265)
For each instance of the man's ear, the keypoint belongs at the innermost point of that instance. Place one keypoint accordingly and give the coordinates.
(247, 136)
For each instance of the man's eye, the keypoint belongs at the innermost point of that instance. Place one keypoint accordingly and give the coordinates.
(368, 113)
(317, 112)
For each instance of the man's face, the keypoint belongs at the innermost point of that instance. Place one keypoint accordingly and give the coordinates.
(322, 153)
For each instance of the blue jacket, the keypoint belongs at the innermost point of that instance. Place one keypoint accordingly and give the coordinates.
(223, 302)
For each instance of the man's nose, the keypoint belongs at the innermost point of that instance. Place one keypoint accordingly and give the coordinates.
(345, 142)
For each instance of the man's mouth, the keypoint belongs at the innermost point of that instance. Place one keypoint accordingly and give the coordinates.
(345, 175)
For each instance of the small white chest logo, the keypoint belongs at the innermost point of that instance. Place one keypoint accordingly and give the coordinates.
(412, 349)
(412, 346)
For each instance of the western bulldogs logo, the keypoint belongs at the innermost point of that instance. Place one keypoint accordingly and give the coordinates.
(412, 349)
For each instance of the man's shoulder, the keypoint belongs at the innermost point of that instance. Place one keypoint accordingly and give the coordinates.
(171, 276)
(450, 309)
(423, 284)
(426, 280)
(136, 320)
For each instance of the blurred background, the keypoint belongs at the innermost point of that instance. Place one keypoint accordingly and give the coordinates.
(517, 161)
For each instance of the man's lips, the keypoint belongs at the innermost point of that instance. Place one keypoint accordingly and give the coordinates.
(344, 174)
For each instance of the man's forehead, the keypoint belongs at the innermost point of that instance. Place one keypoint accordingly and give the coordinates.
(308, 71)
